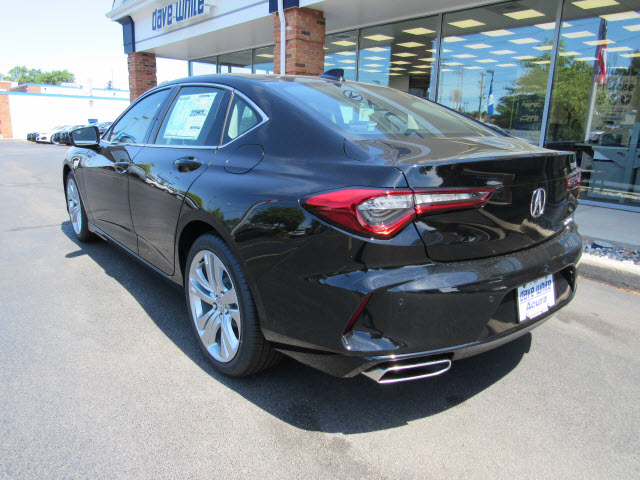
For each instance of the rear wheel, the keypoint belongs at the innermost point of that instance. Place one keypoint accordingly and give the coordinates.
(77, 213)
(222, 312)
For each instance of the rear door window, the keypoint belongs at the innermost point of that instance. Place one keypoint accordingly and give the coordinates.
(191, 118)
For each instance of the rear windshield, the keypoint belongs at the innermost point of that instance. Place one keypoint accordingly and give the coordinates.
(363, 111)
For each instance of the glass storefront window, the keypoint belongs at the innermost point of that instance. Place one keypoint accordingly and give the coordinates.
(263, 60)
(495, 64)
(399, 55)
(595, 103)
(204, 66)
(340, 52)
(237, 62)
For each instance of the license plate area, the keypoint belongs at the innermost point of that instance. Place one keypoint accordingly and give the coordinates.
(535, 298)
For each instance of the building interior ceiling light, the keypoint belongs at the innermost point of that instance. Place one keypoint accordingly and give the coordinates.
(452, 39)
(593, 43)
(419, 31)
(581, 34)
(552, 25)
(632, 28)
(378, 37)
(464, 55)
(498, 33)
(467, 23)
(589, 4)
(524, 14)
(522, 41)
(502, 52)
(410, 44)
(616, 17)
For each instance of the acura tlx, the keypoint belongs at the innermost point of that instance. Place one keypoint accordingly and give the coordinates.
(353, 227)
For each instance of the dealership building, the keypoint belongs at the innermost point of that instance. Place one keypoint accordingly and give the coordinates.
(558, 73)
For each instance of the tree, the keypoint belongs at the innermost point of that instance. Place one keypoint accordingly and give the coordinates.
(24, 75)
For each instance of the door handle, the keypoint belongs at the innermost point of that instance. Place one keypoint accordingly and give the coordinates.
(187, 164)
(121, 167)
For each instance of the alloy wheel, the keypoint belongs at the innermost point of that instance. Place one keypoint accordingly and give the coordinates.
(214, 306)
(74, 206)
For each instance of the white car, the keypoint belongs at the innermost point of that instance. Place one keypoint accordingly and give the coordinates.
(45, 136)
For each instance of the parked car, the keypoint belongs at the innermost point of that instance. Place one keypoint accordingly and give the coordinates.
(31, 137)
(102, 127)
(63, 135)
(350, 226)
(45, 135)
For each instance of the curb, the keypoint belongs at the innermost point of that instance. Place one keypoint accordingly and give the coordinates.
(623, 275)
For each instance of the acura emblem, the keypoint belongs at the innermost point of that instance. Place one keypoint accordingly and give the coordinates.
(538, 201)
(351, 95)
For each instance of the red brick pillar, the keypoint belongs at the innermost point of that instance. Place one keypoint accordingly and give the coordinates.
(305, 39)
(5, 117)
(142, 73)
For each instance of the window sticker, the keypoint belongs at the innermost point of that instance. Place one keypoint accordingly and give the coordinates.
(188, 116)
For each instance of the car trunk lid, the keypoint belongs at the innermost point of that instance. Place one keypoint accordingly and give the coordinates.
(529, 204)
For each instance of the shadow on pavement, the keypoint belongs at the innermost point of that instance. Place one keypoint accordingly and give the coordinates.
(297, 394)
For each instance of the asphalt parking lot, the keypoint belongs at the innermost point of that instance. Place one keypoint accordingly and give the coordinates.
(100, 378)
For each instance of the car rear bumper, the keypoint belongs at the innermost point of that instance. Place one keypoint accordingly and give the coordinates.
(440, 310)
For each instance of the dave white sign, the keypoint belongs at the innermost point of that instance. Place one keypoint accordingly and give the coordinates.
(536, 298)
(177, 12)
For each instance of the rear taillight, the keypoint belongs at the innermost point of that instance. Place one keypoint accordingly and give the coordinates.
(382, 213)
(572, 181)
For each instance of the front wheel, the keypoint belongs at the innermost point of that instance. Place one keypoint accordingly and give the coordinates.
(222, 312)
(77, 213)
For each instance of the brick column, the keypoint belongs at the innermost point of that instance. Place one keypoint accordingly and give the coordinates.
(5, 117)
(142, 73)
(305, 39)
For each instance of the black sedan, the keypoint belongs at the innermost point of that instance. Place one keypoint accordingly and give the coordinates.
(352, 227)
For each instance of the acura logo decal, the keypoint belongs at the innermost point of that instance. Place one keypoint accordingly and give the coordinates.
(351, 95)
(538, 201)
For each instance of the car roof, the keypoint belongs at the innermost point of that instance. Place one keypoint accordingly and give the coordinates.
(244, 79)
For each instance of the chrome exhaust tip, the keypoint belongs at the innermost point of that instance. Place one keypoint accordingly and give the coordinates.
(394, 372)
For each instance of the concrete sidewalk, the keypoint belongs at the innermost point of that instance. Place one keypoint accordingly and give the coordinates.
(618, 227)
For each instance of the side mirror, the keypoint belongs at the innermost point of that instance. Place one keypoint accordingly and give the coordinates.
(85, 137)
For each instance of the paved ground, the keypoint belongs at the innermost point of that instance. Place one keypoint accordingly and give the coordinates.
(99, 378)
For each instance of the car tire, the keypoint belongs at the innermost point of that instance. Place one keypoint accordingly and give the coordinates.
(222, 312)
(75, 208)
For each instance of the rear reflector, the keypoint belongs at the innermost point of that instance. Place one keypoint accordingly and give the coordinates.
(382, 213)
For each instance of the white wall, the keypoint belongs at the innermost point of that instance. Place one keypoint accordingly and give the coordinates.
(32, 112)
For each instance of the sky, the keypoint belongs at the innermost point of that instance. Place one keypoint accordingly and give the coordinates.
(70, 34)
